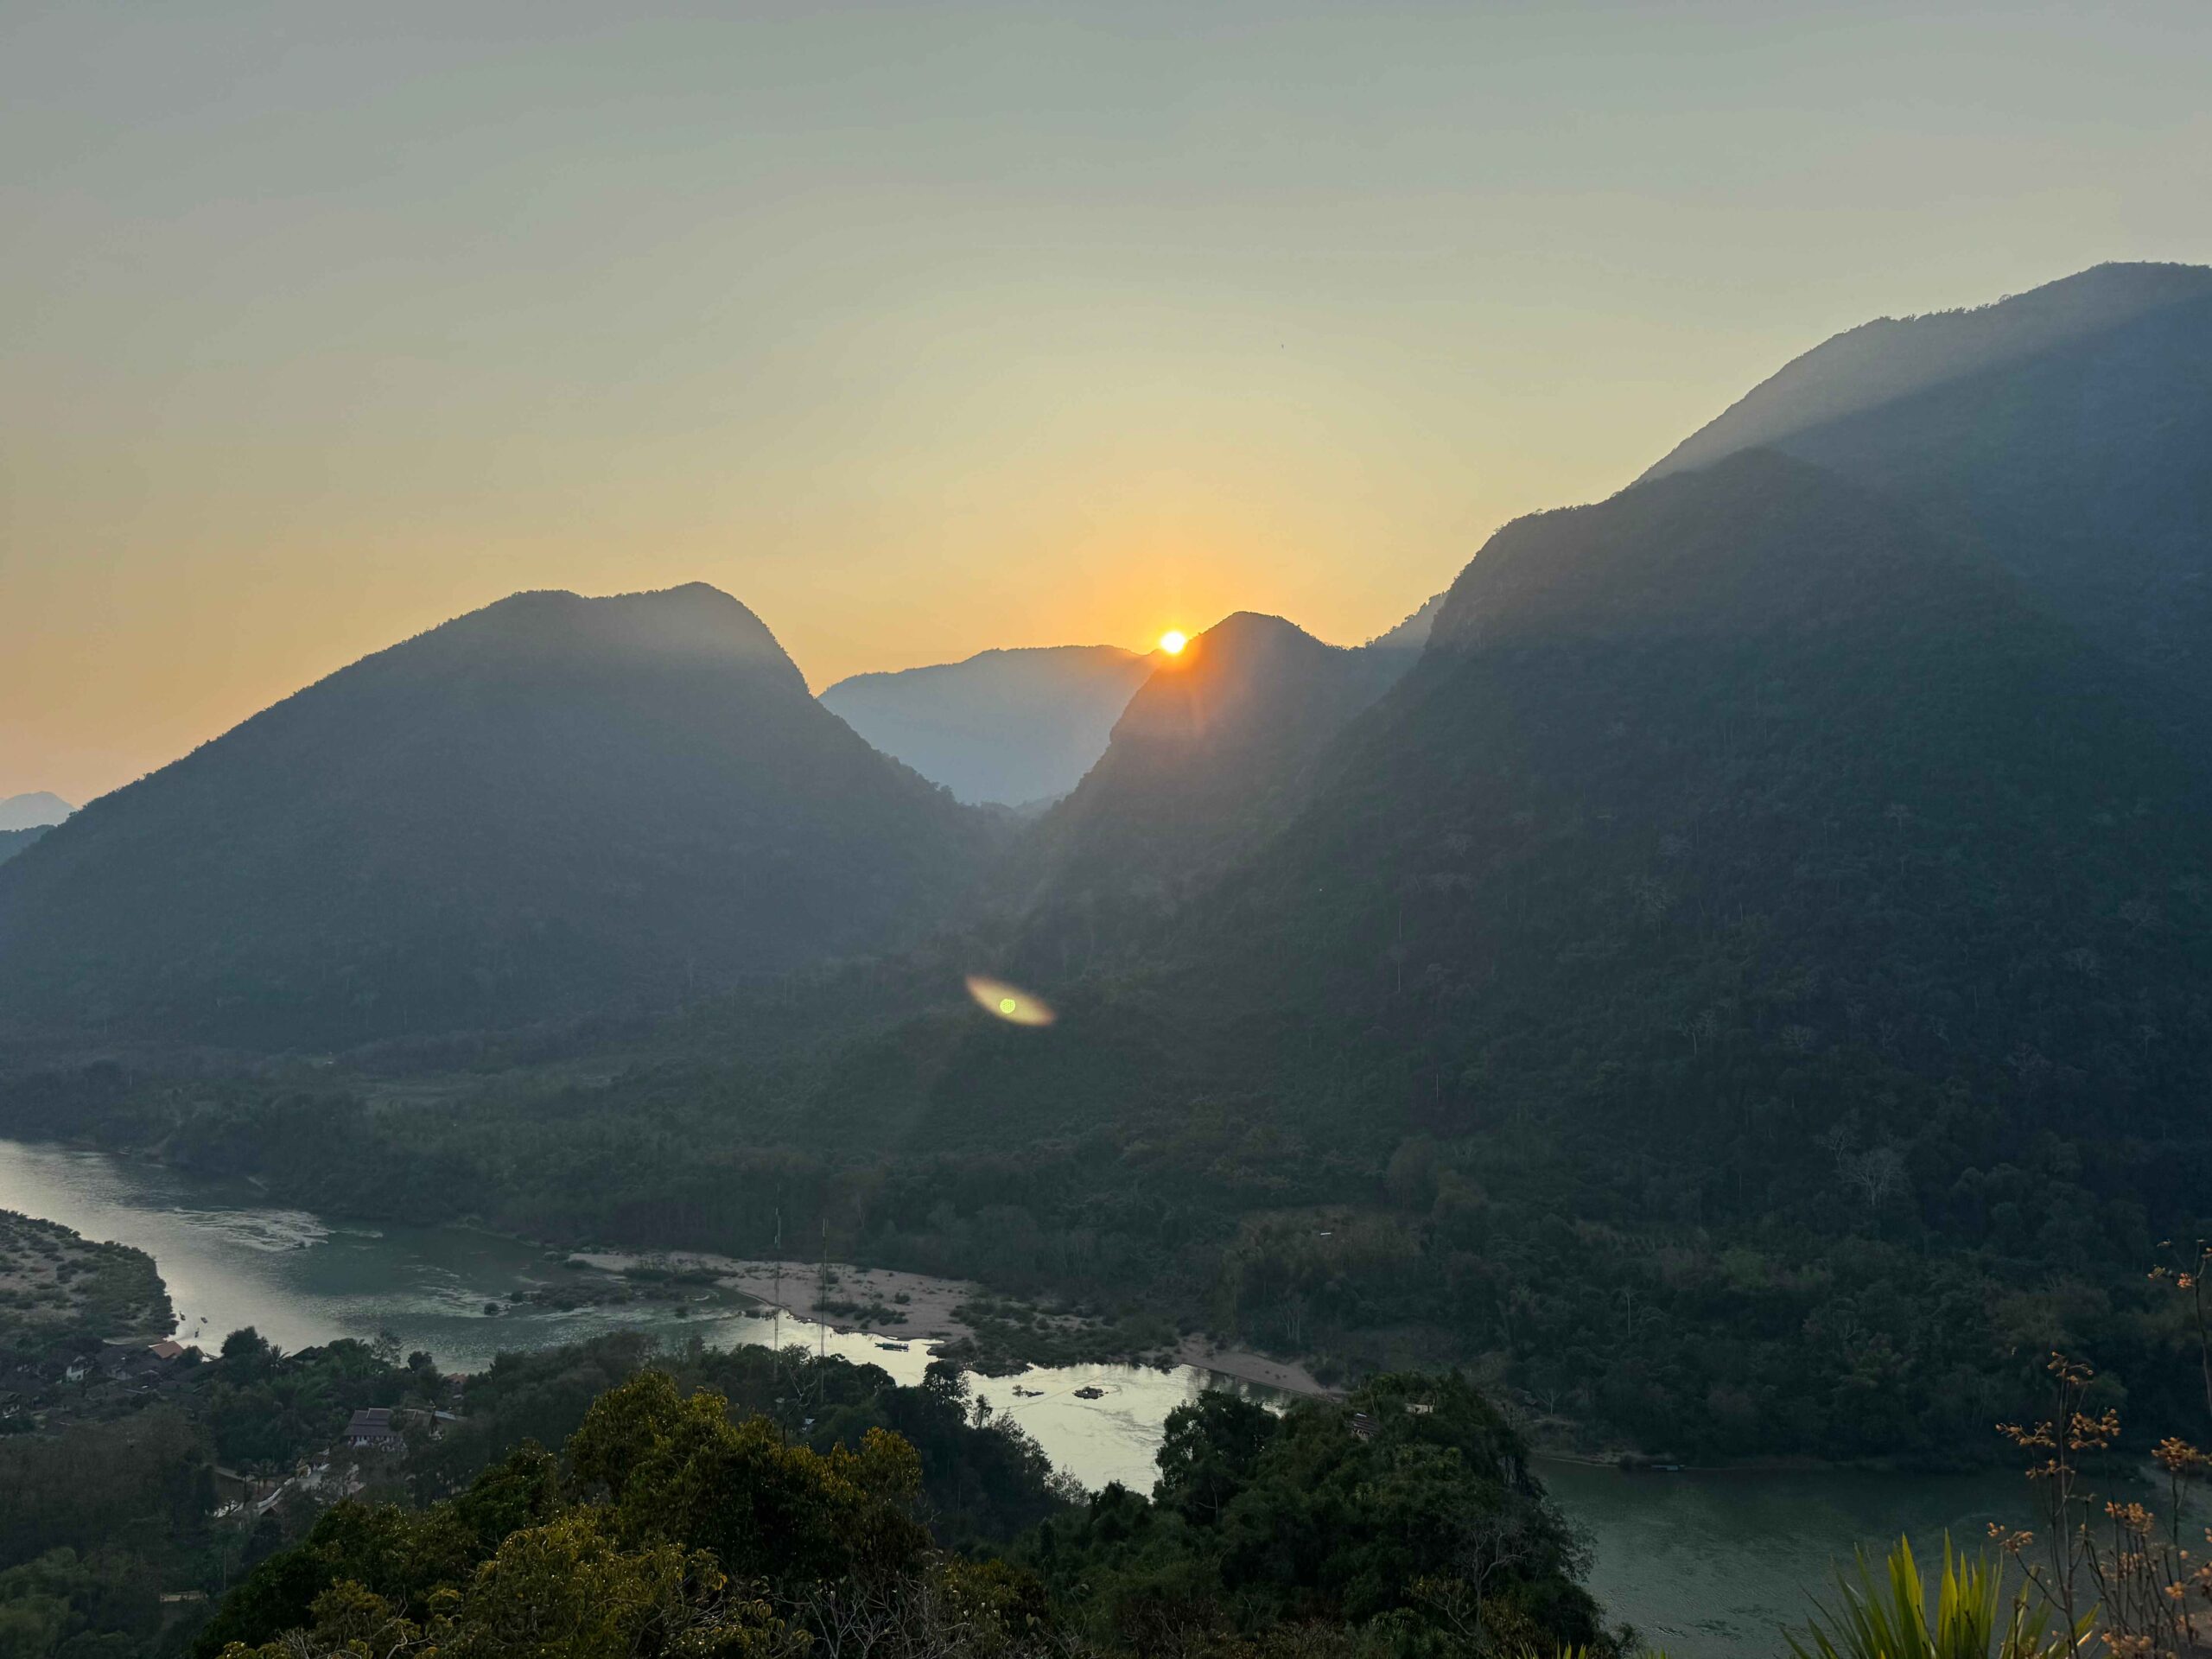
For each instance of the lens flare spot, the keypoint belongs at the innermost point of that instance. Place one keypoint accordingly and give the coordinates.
(1010, 1003)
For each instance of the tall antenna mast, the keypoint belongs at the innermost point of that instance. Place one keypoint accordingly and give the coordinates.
(776, 1316)
(822, 1295)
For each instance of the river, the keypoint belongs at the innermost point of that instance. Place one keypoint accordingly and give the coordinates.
(1702, 1563)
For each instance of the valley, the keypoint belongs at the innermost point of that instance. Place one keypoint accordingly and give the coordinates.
(1708, 1007)
(302, 1281)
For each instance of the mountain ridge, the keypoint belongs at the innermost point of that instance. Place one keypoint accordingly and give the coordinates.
(2064, 432)
(547, 801)
(1861, 368)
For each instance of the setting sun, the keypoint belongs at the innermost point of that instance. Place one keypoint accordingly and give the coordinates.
(1172, 642)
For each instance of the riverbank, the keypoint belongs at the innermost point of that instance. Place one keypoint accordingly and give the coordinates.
(868, 1301)
(1705, 1562)
(1250, 1365)
(888, 1304)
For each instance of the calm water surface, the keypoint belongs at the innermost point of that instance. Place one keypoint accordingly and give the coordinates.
(1716, 1561)
(1704, 1564)
(231, 1258)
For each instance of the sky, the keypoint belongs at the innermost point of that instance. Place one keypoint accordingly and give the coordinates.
(925, 329)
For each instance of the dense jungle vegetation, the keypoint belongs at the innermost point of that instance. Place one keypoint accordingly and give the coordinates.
(113, 1506)
(1404, 1523)
(752, 1501)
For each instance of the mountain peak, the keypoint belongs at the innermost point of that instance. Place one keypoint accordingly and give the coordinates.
(1892, 358)
(695, 618)
(1214, 750)
(1241, 630)
(2063, 431)
(550, 805)
(33, 811)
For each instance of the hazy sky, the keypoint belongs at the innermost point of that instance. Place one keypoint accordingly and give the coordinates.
(924, 329)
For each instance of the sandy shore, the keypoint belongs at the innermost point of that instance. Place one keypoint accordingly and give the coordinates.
(1204, 1355)
(928, 1307)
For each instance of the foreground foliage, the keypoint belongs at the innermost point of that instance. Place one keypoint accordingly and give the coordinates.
(1405, 1522)
(2103, 1571)
(105, 1521)
(1885, 1614)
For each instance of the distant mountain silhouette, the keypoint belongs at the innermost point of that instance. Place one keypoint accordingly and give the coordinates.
(550, 805)
(14, 841)
(1011, 727)
(33, 811)
(2067, 430)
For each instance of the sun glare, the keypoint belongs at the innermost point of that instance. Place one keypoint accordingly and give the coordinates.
(1172, 642)
(1010, 1003)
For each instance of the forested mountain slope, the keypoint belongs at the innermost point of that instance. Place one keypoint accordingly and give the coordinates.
(1750, 904)
(2068, 430)
(14, 841)
(1212, 752)
(1753, 979)
(1746, 763)
(551, 805)
(1012, 727)
(1412, 634)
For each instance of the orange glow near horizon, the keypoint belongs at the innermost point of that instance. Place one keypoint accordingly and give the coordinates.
(929, 336)
(1174, 640)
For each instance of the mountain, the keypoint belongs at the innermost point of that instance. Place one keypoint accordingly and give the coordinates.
(1022, 727)
(1744, 991)
(14, 841)
(33, 811)
(1750, 868)
(1746, 986)
(1752, 703)
(1011, 727)
(2067, 431)
(552, 805)
(1213, 752)
(1412, 634)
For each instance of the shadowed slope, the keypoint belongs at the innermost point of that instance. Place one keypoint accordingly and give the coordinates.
(551, 804)
(2067, 431)
(1214, 752)
(15, 841)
